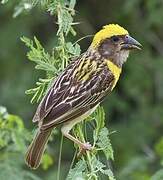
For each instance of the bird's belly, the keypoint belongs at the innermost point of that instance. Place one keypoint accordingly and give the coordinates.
(69, 125)
(85, 115)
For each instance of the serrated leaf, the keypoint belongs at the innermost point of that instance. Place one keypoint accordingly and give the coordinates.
(28, 42)
(39, 91)
(77, 172)
(38, 44)
(100, 167)
(34, 98)
(77, 50)
(99, 117)
(73, 49)
(31, 91)
(104, 143)
(108, 173)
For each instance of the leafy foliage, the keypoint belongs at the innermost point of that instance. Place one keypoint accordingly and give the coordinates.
(56, 62)
(99, 167)
(47, 161)
(134, 108)
(101, 139)
(78, 171)
(13, 138)
(52, 65)
(13, 169)
(13, 133)
(104, 143)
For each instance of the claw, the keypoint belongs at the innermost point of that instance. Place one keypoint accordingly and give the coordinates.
(84, 147)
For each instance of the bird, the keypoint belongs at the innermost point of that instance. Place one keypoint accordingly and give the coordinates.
(80, 88)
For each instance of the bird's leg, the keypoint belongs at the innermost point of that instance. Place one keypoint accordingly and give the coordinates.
(83, 146)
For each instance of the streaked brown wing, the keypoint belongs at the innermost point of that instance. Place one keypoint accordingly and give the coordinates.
(79, 98)
(59, 88)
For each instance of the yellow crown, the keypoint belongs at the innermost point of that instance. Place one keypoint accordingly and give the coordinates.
(107, 32)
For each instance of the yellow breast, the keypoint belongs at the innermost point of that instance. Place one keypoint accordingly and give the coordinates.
(115, 70)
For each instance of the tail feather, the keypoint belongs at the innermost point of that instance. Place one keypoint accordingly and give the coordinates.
(37, 148)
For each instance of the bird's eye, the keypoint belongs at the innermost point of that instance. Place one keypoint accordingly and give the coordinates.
(115, 38)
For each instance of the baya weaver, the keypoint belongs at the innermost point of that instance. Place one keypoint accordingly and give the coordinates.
(81, 87)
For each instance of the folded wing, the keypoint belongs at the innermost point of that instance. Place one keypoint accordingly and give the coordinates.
(69, 98)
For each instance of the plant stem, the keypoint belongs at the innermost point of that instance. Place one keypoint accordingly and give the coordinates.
(73, 160)
(88, 156)
(60, 157)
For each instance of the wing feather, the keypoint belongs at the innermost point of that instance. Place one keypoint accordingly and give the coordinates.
(69, 98)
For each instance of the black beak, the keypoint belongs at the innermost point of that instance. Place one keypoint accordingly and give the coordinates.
(130, 43)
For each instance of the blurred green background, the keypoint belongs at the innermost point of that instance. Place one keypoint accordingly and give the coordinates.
(135, 108)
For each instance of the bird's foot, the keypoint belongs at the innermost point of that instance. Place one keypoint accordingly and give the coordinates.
(84, 147)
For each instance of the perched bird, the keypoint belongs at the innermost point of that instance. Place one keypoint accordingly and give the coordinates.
(81, 87)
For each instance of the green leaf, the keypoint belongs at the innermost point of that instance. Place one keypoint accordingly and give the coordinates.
(100, 118)
(13, 132)
(38, 44)
(73, 49)
(38, 92)
(158, 175)
(28, 42)
(47, 161)
(18, 141)
(109, 173)
(44, 61)
(104, 143)
(77, 50)
(72, 4)
(100, 167)
(12, 168)
(77, 172)
(15, 122)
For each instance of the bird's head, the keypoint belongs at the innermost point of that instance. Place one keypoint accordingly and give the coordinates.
(113, 42)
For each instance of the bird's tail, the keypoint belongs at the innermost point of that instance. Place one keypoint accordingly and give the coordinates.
(36, 149)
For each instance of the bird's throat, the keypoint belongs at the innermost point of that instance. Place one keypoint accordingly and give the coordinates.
(116, 71)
